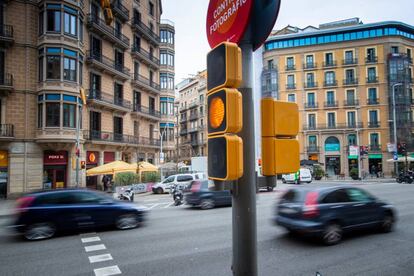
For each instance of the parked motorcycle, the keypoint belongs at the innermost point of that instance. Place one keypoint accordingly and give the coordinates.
(407, 177)
(178, 195)
(128, 195)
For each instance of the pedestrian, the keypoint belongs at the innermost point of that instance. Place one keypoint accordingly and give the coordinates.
(373, 170)
(105, 180)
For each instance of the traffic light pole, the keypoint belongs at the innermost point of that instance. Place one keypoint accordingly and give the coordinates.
(244, 190)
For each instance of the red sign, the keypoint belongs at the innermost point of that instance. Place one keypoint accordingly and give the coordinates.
(227, 20)
(109, 157)
(92, 157)
(55, 158)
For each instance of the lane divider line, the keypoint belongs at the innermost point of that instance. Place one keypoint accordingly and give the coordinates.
(91, 239)
(107, 271)
(97, 247)
(100, 258)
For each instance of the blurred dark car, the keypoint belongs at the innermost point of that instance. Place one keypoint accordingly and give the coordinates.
(202, 193)
(329, 212)
(41, 214)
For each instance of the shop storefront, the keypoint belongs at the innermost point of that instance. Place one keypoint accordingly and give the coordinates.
(375, 164)
(4, 173)
(353, 158)
(333, 165)
(92, 160)
(55, 165)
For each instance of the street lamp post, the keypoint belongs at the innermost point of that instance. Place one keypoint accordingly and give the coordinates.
(161, 134)
(395, 121)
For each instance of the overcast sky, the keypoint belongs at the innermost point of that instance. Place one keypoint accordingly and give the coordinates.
(189, 17)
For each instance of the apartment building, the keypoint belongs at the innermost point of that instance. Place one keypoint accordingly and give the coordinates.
(343, 76)
(192, 117)
(49, 51)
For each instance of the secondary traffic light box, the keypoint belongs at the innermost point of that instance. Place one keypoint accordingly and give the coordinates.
(280, 126)
(224, 104)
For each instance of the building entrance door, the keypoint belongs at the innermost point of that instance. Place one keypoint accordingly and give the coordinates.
(333, 165)
(56, 177)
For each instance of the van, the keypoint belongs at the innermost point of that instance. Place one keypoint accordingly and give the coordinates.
(303, 175)
(182, 180)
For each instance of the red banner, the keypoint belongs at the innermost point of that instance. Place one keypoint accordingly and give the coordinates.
(55, 158)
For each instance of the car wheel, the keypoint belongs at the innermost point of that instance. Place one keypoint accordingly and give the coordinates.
(127, 221)
(309, 182)
(332, 234)
(159, 190)
(40, 231)
(269, 189)
(207, 204)
(297, 182)
(387, 223)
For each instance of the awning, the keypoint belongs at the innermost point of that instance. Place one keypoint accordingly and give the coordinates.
(110, 168)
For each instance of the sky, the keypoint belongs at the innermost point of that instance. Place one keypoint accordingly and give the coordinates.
(189, 17)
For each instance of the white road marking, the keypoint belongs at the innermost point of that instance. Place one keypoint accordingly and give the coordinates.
(169, 205)
(107, 271)
(100, 258)
(91, 239)
(156, 204)
(95, 247)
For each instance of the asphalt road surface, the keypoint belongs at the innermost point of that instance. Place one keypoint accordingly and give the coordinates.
(184, 241)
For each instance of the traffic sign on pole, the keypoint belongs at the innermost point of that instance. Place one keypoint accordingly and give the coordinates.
(263, 20)
(227, 20)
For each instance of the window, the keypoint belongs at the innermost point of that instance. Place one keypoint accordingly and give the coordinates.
(373, 117)
(118, 128)
(372, 95)
(80, 73)
(118, 28)
(290, 63)
(167, 58)
(374, 139)
(312, 142)
(352, 140)
(331, 120)
(330, 97)
(312, 121)
(81, 30)
(408, 53)
(357, 195)
(69, 115)
(309, 61)
(151, 8)
(349, 57)
(292, 98)
(167, 37)
(337, 196)
(394, 50)
(70, 24)
(310, 79)
(41, 22)
(311, 99)
(350, 75)
(270, 64)
(329, 59)
(371, 56)
(69, 69)
(291, 80)
(330, 78)
(118, 94)
(52, 114)
(53, 67)
(40, 68)
(39, 115)
(372, 74)
(351, 119)
(350, 97)
(53, 21)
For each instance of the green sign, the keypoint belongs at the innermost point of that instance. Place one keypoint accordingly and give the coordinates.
(352, 156)
(375, 156)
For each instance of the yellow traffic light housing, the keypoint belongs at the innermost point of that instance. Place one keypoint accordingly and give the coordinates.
(107, 11)
(279, 156)
(280, 126)
(224, 66)
(83, 96)
(224, 111)
(225, 157)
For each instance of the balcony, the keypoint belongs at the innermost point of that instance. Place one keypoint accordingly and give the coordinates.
(350, 61)
(145, 31)
(146, 84)
(371, 59)
(148, 142)
(311, 105)
(105, 137)
(351, 102)
(350, 81)
(372, 79)
(330, 104)
(100, 99)
(290, 67)
(291, 86)
(183, 132)
(334, 126)
(193, 129)
(183, 119)
(97, 25)
(6, 131)
(6, 84)
(372, 101)
(196, 143)
(149, 113)
(120, 10)
(375, 148)
(309, 66)
(107, 65)
(331, 63)
(194, 116)
(374, 124)
(145, 57)
(6, 36)
(330, 83)
(310, 84)
(312, 149)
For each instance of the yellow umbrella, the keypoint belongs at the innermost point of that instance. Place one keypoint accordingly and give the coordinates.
(111, 168)
(142, 167)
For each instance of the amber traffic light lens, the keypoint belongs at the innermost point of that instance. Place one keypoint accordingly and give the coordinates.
(216, 112)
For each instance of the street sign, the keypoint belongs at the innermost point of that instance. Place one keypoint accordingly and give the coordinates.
(227, 20)
(391, 147)
(263, 19)
(395, 156)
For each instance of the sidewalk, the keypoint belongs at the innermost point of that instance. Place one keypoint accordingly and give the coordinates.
(6, 207)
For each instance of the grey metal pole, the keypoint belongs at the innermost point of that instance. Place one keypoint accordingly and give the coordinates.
(77, 145)
(244, 190)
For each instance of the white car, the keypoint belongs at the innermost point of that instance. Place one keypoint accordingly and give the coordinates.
(305, 175)
(178, 179)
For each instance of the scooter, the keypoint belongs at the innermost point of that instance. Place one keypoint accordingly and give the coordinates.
(178, 195)
(127, 195)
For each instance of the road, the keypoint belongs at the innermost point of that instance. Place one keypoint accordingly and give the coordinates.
(182, 241)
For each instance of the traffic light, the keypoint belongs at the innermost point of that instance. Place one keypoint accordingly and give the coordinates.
(83, 165)
(83, 96)
(224, 66)
(224, 104)
(107, 11)
(280, 126)
(402, 148)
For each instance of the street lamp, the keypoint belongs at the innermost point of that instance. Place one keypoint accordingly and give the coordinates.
(395, 121)
(161, 135)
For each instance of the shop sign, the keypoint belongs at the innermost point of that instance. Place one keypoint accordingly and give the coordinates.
(375, 156)
(4, 160)
(109, 157)
(55, 158)
(92, 157)
(332, 147)
(353, 152)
